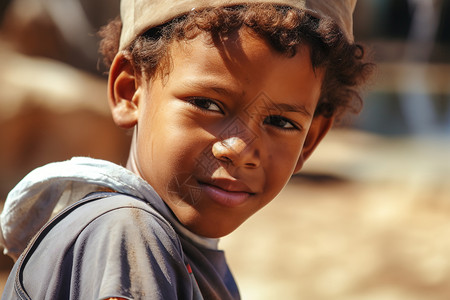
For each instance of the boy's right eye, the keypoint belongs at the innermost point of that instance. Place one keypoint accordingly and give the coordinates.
(205, 104)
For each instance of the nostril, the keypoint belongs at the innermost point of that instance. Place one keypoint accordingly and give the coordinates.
(223, 152)
(251, 165)
(225, 158)
(236, 152)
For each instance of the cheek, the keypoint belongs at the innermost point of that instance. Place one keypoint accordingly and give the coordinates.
(172, 148)
(286, 153)
(280, 166)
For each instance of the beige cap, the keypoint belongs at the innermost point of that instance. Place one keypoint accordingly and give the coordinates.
(140, 15)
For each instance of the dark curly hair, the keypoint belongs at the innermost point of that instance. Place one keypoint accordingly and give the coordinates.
(345, 64)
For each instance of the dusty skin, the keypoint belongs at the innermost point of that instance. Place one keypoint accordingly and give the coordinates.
(208, 103)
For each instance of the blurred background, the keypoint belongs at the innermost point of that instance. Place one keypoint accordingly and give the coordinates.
(369, 217)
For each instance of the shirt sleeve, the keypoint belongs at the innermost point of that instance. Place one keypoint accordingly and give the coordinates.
(129, 253)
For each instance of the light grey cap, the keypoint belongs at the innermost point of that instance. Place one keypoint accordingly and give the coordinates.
(140, 15)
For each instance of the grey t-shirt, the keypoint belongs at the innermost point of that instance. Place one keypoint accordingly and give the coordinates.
(117, 246)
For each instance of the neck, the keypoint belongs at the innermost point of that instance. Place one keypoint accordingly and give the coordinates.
(132, 158)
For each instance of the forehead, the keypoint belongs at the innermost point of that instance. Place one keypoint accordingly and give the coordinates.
(243, 61)
(233, 46)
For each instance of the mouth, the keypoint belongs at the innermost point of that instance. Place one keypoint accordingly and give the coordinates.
(226, 193)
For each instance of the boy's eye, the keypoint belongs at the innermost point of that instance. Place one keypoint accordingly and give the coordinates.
(205, 104)
(280, 122)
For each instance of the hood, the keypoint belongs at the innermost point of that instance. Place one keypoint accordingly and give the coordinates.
(49, 189)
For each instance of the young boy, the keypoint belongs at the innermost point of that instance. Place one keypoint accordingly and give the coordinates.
(227, 100)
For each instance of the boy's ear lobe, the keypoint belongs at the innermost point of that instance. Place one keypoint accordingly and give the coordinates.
(319, 128)
(123, 93)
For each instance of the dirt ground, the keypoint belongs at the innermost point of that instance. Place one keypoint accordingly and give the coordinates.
(374, 228)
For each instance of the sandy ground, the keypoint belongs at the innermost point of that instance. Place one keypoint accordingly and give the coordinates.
(366, 222)
(375, 229)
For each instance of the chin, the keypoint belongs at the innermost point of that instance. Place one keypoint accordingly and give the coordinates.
(209, 223)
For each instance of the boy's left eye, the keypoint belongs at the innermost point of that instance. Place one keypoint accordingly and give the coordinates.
(280, 122)
(205, 104)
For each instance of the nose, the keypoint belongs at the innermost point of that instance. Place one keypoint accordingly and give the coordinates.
(236, 151)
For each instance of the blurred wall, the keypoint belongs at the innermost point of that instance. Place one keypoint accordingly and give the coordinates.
(410, 40)
(53, 103)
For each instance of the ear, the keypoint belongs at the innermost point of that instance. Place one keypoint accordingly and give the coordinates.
(123, 92)
(319, 127)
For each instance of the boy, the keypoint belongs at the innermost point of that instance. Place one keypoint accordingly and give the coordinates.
(226, 103)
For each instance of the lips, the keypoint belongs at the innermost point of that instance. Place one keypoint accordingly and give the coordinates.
(226, 192)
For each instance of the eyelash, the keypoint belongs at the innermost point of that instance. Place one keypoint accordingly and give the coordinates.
(197, 102)
(270, 121)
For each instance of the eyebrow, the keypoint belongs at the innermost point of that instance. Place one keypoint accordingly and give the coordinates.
(282, 107)
(206, 85)
(285, 107)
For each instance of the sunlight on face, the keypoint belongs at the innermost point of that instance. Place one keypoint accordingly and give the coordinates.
(222, 133)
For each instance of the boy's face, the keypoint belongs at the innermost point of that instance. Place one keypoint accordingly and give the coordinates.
(220, 134)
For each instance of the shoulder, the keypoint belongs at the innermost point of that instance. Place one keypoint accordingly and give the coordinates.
(116, 245)
(125, 220)
(116, 218)
(112, 221)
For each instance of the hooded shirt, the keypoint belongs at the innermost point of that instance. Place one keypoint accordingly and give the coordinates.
(124, 237)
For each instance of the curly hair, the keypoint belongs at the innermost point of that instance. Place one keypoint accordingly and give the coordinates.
(284, 28)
